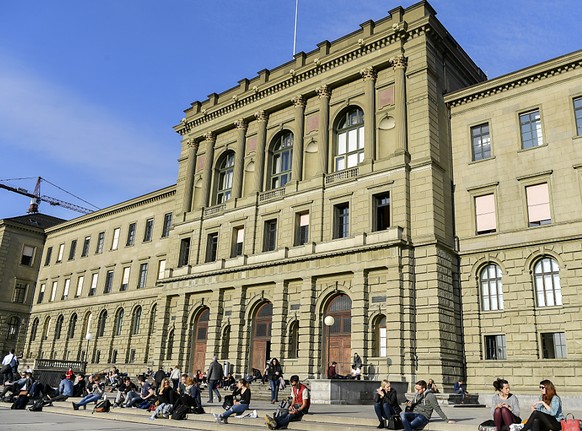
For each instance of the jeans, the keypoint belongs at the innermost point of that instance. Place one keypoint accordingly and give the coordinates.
(284, 419)
(237, 408)
(274, 385)
(89, 399)
(413, 421)
(383, 411)
(212, 389)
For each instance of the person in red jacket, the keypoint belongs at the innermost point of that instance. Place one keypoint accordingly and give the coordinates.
(299, 406)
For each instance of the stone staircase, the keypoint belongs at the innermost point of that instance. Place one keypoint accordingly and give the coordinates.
(259, 392)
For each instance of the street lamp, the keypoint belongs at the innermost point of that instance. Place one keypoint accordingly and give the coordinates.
(88, 337)
(329, 321)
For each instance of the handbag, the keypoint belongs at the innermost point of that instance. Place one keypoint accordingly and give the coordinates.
(488, 425)
(570, 424)
(394, 423)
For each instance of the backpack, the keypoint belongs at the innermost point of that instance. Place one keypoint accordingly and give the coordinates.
(20, 403)
(102, 406)
(36, 406)
(180, 413)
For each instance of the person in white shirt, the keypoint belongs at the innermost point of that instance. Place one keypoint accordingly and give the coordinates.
(9, 363)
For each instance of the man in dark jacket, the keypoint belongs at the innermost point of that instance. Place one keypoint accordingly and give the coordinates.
(159, 376)
(215, 374)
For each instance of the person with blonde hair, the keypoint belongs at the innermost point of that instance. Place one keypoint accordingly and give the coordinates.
(386, 402)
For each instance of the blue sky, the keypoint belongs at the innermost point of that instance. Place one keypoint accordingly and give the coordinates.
(90, 90)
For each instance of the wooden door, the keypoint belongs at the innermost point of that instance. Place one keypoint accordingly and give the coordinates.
(340, 334)
(261, 346)
(199, 342)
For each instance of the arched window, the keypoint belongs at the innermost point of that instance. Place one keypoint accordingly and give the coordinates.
(380, 339)
(293, 352)
(101, 323)
(281, 160)
(170, 347)
(225, 347)
(136, 321)
(349, 150)
(47, 328)
(13, 328)
(72, 326)
(118, 322)
(491, 288)
(225, 175)
(547, 282)
(59, 327)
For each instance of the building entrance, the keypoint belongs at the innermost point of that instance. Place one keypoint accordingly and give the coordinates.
(261, 346)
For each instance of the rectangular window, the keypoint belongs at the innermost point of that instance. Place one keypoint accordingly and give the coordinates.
(554, 345)
(125, 279)
(184, 252)
(61, 253)
(73, 249)
(93, 289)
(238, 239)
(132, 356)
(495, 347)
(54, 291)
(27, 255)
(41, 293)
(341, 222)
(86, 244)
(80, 282)
(131, 234)
(108, 281)
(167, 225)
(149, 227)
(301, 228)
(115, 242)
(530, 125)
(485, 218)
(143, 275)
(100, 243)
(538, 205)
(20, 289)
(161, 269)
(66, 289)
(578, 115)
(481, 142)
(270, 235)
(382, 211)
(211, 247)
(47, 258)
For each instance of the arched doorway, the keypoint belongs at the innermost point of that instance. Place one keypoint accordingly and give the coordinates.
(199, 333)
(338, 345)
(261, 347)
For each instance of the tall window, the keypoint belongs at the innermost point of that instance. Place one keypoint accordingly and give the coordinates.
(349, 151)
(41, 293)
(238, 239)
(27, 255)
(547, 282)
(211, 247)
(495, 348)
(20, 289)
(161, 269)
(118, 322)
(554, 345)
(167, 225)
(72, 326)
(115, 242)
(130, 234)
(491, 288)
(34, 330)
(170, 345)
(61, 253)
(341, 222)
(578, 115)
(143, 275)
(47, 258)
(530, 124)
(13, 328)
(485, 218)
(480, 142)
(301, 228)
(101, 323)
(225, 175)
(125, 278)
(281, 160)
(86, 243)
(270, 235)
(136, 321)
(538, 205)
(184, 252)
(225, 347)
(93, 288)
(66, 289)
(380, 336)
(100, 243)
(149, 227)
(381, 211)
(294, 340)
(80, 282)
(108, 281)
(54, 291)
(73, 249)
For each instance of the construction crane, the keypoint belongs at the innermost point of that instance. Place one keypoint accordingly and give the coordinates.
(36, 198)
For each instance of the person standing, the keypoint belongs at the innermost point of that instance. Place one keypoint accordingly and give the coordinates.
(215, 375)
(275, 373)
(422, 406)
(9, 363)
(175, 377)
(159, 376)
(547, 412)
(357, 361)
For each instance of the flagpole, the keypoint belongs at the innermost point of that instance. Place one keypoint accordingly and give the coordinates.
(295, 28)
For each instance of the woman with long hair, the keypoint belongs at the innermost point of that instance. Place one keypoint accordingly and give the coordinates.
(547, 412)
(167, 398)
(504, 405)
(241, 399)
(275, 373)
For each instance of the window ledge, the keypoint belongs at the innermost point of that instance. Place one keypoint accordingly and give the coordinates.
(474, 162)
(521, 150)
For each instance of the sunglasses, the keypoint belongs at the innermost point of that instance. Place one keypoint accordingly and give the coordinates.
(542, 387)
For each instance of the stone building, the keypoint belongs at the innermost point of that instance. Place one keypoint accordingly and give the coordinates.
(517, 152)
(21, 244)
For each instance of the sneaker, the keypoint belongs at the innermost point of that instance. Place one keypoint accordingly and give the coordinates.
(210, 401)
(217, 417)
(253, 414)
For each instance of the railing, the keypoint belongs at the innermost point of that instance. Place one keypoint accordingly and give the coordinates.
(341, 175)
(216, 209)
(271, 194)
(45, 364)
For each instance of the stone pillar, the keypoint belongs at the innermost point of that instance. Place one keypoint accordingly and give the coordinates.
(324, 93)
(278, 334)
(208, 163)
(190, 171)
(309, 331)
(360, 322)
(399, 65)
(299, 103)
(239, 333)
(369, 77)
(241, 128)
(181, 337)
(262, 118)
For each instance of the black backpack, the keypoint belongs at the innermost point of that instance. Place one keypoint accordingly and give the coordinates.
(20, 402)
(102, 406)
(180, 412)
(36, 406)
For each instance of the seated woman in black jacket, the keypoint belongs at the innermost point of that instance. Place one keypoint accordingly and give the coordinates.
(167, 397)
(242, 398)
(386, 402)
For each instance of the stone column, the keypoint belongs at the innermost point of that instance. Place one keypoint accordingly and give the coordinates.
(399, 65)
(299, 103)
(190, 171)
(262, 118)
(309, 331)
(208, 163)
(278, 334)
(369, 77)
(181, 333)
(241, 128)
(360, 322)
(323, 93)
